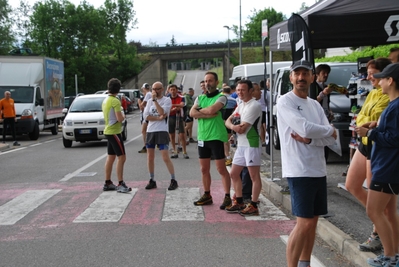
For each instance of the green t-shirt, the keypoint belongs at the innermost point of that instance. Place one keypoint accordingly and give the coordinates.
(211, 129)
(110, 105)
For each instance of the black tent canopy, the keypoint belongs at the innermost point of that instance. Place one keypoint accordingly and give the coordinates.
(342, 23)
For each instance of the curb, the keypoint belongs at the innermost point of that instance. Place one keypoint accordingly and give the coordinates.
(329, 233)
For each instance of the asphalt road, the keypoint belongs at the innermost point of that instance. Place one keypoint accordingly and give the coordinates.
(50, 235)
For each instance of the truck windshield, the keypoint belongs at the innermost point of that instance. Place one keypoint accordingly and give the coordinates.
(19, 94)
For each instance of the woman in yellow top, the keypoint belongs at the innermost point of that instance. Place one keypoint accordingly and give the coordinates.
(360, 166)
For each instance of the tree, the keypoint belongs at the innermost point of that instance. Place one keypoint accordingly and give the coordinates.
(6, 34)
(253, 29)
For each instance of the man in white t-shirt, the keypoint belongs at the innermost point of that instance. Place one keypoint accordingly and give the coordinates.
(304, 131)
(249, 148)
(142, 103)
(156, 113)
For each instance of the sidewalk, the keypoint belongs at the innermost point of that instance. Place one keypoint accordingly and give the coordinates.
(329, 233)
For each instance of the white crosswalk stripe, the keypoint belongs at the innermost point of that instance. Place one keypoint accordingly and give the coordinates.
(19, 207)
(108, 207)
(111, 206)
(179, 205)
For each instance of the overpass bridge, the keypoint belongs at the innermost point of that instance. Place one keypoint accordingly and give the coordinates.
(157, 68)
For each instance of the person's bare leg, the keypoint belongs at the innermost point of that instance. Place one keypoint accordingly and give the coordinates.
(355, 177)
(301, 241)
(254, 172)
(120, 162)
(221, 168)
(206, 175)
(168, 162)
(236, 179)
(108, 166)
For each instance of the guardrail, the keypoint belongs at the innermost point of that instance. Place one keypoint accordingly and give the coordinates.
(195, 47)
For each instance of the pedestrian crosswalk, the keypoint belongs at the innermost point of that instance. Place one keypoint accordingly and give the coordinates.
(77, 203)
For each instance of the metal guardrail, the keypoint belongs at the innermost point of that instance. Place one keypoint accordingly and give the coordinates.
(195, 47)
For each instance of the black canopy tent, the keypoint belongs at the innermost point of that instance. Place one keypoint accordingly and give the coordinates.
(343, 23)
(340, 23)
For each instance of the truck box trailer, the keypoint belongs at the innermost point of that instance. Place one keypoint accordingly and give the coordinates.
(37, 87)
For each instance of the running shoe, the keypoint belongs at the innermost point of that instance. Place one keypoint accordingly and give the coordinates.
(109, 186)
(173, 184)
(123, 188)
(143, 150)
(226, 203)
(192, 140)
(229, 161)
(174, 156)
(204, 200)
(151, 185)
(373, 243)
(235, 208)
(185, 156)
(250, 210)
(16, 143)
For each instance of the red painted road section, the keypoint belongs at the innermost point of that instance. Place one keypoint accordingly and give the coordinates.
(146, 208)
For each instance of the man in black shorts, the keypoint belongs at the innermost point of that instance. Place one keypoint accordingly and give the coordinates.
(114, 117)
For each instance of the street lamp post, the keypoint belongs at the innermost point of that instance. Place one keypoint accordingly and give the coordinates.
(228, 49)
(240, 52)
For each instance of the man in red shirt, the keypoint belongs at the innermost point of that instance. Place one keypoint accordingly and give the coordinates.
(7, 116)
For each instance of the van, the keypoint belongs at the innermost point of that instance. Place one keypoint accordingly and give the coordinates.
(132, 95)
(340, 104)
(255, 71)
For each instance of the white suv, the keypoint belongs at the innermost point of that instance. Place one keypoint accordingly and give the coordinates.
(84, 120)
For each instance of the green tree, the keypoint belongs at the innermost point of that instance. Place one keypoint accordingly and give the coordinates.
(253, 29)
(6, 34)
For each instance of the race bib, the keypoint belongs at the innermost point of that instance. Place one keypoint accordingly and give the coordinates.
(200, 143)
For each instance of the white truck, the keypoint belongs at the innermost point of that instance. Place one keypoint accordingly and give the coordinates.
(37, 87)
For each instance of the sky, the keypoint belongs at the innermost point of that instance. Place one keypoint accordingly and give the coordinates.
(192, 21)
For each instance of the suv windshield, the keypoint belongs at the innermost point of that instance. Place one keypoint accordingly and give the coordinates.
(93, 104)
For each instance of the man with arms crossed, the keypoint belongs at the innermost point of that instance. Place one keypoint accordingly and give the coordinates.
(157, 114)
(304, 131)
(249, 148)
(211, 135)
(114, 117)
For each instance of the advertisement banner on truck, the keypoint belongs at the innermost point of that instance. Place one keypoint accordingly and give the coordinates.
(54, 86)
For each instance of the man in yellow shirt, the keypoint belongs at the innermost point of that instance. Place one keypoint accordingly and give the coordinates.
(7, 116)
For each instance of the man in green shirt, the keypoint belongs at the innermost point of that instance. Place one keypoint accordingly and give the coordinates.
(114, 117)
(212, 134)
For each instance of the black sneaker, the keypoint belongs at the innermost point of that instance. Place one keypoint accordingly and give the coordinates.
(16, 144)
(226, 203)
(143, 150)
(173, 184)
(204, 200)
(151, 185)
(123, 188)
(174, 156)
(109, 187)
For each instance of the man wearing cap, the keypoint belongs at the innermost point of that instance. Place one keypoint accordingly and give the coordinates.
(142, 103)
(304, 131)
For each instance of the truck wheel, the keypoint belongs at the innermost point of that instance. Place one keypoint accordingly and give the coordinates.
(34, 135)
(276, 138)
(54, 130)
(124, 132)
(67, 143)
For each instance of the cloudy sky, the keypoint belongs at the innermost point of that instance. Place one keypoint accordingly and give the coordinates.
(193, 21)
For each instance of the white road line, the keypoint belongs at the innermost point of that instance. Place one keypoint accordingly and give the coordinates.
(314, 262)
(16, 209)
(179, 205)
(12, 150)
(50, 141)
(73, 174)
(108, 207)
(38, 144)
